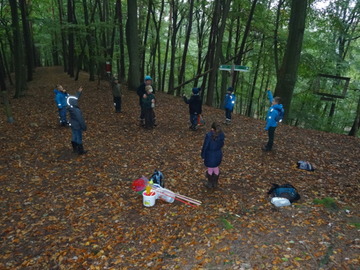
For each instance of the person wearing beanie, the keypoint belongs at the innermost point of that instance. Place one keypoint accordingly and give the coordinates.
(211, 153)
(195, 107)
(141, 92)
(229, 103)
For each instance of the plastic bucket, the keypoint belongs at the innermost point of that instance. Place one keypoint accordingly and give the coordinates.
(149, 200)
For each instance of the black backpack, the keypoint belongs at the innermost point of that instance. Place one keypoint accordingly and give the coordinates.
(287, 191)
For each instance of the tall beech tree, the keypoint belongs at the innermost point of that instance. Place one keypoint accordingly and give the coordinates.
(132, 40)
(288, 71)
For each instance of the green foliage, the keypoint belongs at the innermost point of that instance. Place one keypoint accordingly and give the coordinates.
(327, 202)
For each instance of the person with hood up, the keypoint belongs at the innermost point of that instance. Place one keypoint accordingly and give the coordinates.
(195, 107)
(211, 153)
(77, 122)
(274, 116)
(229, 103)
(60, 99)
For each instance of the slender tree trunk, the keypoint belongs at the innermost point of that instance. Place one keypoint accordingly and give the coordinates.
(288, 71)
(218, 33)
(133, 45)
(241, 52)
(121, 43)
(18, 52)
(186, 46)
(356, 125)
(71, 39)
(257, 68)
(29, 48)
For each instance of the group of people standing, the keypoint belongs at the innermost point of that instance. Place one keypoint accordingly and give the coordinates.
(211, 151)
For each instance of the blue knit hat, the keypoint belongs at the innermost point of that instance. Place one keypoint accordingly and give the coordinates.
(196, 90)
(230, 89)
(148, 78)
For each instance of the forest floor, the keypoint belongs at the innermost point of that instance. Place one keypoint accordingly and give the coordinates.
(64, 211)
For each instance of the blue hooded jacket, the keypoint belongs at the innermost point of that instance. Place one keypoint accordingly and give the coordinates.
(229, 101)
(273, 112)
(60, 98)
(211, 151)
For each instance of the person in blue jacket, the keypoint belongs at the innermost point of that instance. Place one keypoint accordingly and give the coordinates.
(77, 122)
(195, 107)
(211, 153)
(229, 103)
(60, 99)
(274, 115)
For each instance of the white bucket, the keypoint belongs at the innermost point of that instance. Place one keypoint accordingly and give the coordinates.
(149, 200)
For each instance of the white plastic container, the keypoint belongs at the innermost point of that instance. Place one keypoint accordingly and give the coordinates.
(149, 200)
(166, 195)
(279, 201)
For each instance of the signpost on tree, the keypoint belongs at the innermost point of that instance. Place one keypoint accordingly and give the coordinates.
(233, 68)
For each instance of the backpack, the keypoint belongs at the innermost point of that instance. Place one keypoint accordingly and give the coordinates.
(304, 165)
(280, 115)
(157, 178)
(287, 191)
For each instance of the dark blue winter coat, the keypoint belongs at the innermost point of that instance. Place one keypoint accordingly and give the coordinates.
(229, 101)
(211, 151)
(60, 98)
(195, 104)
(76, 118)
(273, 112)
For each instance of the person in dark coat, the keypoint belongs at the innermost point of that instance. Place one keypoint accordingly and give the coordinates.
(148, 103)
(141, 92)
(211, 153)
(77, 122)
(116, 91)
(195, 107)
(60, 99)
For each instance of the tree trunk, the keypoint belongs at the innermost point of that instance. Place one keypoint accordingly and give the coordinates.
(29, 48)
(121, 43)
(241, 52)
(288, 72)
(181, 78)
(214, 57)
(63, 36)
(133, 45)
(18, 52)
(71, 39)
(356, 125)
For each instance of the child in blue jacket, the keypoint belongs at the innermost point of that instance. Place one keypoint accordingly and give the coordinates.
(229, 103)
(60, 99)
(212, 154)
(274, 115)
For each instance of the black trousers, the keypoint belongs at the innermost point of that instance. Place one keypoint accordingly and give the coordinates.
(271, 133)
(149, 117)
(117, 104)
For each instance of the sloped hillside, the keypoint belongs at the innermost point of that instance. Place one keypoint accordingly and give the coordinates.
(64, 211)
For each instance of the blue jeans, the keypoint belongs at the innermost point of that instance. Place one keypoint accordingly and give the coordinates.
(193, 119)
(76, 135)
(62, 115)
